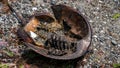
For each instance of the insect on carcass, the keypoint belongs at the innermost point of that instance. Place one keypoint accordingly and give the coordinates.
(64, 35)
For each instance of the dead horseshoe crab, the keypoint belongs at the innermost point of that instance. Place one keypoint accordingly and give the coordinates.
(64, 36)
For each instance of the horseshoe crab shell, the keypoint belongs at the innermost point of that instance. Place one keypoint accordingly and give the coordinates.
(62, 13)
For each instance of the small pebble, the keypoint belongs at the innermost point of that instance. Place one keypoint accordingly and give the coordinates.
(95, 36)
(118, 45)
(114, 42)
(104, 22)
(34, 8)
(1, 55)
(91, 21)
(100, 1)
(95, 49)
(53, 2)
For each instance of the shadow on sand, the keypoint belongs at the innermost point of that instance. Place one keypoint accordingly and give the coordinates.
(34, 60)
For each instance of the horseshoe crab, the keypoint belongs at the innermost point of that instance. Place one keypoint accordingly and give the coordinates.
(64, 35)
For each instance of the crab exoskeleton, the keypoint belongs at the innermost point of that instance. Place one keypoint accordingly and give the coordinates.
(66, 35)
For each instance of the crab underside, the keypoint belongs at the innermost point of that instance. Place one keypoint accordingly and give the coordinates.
(64, 35)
